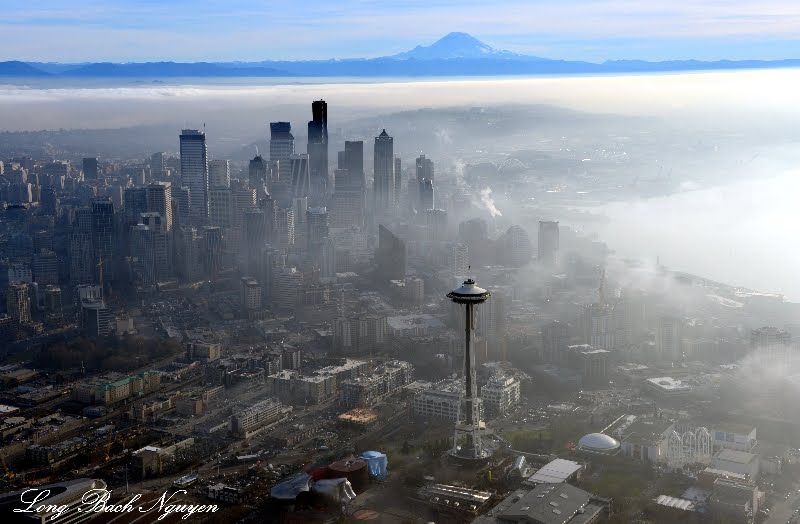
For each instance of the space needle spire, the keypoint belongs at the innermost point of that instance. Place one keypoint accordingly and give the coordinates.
(467, 443)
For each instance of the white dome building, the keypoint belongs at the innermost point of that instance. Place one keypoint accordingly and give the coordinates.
(598, 443)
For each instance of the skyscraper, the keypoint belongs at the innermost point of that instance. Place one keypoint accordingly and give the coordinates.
(425, 183)
(81, 250)
(548, 242)
(281, 146)
(301, 185)
(159, 200)
(354, 160)
(284, 227)
(390, 256)
(194, 172)
(18, 302)
(349, 205)
(90, 168)
(103, 239)
(158, 166)
(424, 168)
(398, 180)
(426, 200)
(317, 230)
(135, 202)
(384, 183)
(219, 173)
(258, 176)
(318, 151)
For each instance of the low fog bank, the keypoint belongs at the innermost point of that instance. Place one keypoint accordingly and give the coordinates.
(739, 233)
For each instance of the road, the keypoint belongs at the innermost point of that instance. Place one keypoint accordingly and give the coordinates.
(780, 513)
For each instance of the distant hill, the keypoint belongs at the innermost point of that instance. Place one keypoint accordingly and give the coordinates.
(456, 54)
(16, 68)
(168, 69)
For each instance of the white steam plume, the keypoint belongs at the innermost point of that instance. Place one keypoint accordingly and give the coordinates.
(488, 202)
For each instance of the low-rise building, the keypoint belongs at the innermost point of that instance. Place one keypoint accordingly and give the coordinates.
(255, 418)
(556, 472)
(647, 439)
(729, 435)
(733, 501)
(114, 387)
(368, 390)
(667, 387)
(548, 504)
(203, 351)
(737, 462)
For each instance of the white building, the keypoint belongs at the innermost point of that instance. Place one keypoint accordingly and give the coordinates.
(667, 386)
(738, 462)
(500, 395)
(256, 417)
(739, 437)
(442, 400)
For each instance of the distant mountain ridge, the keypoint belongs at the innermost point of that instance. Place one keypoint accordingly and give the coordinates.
(456, 54)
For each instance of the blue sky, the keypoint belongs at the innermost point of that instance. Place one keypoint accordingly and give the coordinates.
(594, 30)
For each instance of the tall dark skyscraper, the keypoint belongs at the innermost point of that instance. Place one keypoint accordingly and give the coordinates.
(384, 184)
(318, 150)
(90, 168)
(194, 172)
(548, 242)
(281, 147)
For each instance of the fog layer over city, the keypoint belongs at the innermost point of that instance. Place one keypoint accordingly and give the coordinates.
(693, 168)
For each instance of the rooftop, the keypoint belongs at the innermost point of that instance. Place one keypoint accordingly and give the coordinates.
(668, 384)
(738, 457)
(555, 472)
(545, 504)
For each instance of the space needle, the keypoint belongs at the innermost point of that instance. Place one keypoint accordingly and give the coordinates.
(467, 444)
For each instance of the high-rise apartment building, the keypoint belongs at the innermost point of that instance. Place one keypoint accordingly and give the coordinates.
(284, 227)
(194, 172)
(18, 302)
